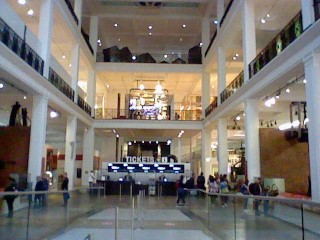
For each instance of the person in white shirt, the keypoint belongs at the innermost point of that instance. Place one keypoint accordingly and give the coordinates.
(92, 179)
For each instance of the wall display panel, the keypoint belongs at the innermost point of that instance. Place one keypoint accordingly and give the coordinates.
(146, 167)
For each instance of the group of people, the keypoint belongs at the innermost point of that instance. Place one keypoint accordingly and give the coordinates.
(220, 184)
(40, 200)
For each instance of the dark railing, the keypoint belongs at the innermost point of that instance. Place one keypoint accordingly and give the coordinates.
(211, 42)
(232, 87)
(226, 12)
(316, 4)
(72, 11)
(20, 47)
(60, 84)
(213, 105)
(290, 32)
(84, 105)
(86, 38)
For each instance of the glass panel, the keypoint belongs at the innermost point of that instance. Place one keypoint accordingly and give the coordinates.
(311, 220)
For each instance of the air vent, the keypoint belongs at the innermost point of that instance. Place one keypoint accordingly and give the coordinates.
(150, 4)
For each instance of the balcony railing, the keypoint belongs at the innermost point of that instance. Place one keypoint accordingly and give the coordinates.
(60, 84)
(316, 4)
(72, 11)
(184, 115)
(20, 47)
(213, 105)
(290, 32)
(86, 38)
(226, 12)
(232, 87)
(84, 105)
(211, 42)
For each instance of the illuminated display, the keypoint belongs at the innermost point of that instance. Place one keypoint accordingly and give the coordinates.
(146, 167)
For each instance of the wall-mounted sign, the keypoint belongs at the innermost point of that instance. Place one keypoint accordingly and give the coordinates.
(146, 159)
(146, 167)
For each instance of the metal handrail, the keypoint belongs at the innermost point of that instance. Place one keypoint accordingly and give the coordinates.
(211, 42)
(232, 87)
(226, 12)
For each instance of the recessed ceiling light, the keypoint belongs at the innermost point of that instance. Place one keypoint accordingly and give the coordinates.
(304, 81)
(201, 44)
(30, 12)
(24, 97)
(22, 2)
(115, 25)
(134, 57)
(150, 33)
(234, 58)
(287, 90)
(119, 40)
(107, 85)
(1, 85)
(263, 20)
(165, 56)
(172, 53)
(215, 21)
(150, 27)
(63, 56)
(183, 25)
(70, 65)
(180, 39)
(237, 55)
(99, 41)
(268, 15)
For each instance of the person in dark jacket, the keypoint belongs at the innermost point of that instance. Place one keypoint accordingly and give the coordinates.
(64, 187)
(181, 191)
(256, 190)
(12, 187)
(38, 197)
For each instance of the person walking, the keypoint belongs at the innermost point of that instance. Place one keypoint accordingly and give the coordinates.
(12, 187)
(181, 191)
(64, 187)
(38, 198)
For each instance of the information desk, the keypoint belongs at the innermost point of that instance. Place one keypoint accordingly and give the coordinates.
(114, 188)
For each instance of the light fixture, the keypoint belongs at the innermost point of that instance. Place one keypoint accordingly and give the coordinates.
(278, 95)
(288, 90)
(165, 56)
(30, 12)
(237, 55)
(142, 141)
(99, 41)
(107, 85)
(180, 39)
(215, 21)
(119, 40)
(134, 57)
(24, 97)
(1, 85)
(200, 45)
(96, 106)
(268, 15)
(70, 65)
(150, 142)
(304, 81)
(117, 135)
(157, 142)
(150, 33)
(238, 118)
(234, 58)
(54, 114)
(115, 25)
(150, 27)
(22, 2)
(63, 56)
(263, 20)
(129, 143)
(141, 86)
(114, 131)
(184, 26)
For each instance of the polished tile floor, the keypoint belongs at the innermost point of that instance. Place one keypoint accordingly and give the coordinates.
(154, 218)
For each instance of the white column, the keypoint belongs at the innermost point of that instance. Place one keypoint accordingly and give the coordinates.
(78, 11)
(88, 154)
(45, 30)
(205, 97)
(252, 142)
(221, 72)
(93, 33)
(308, 17)
(179, 150)
(206, 152)
(172, 146)
(220, 12)
(222, 151)
(91, 90)
(248, 35)
(75, 58)
(312, 75)
(37, 137)
(205, 35)
(70, 149)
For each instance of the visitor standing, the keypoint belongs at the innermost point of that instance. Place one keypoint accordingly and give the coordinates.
(64, 187)
(12, 187)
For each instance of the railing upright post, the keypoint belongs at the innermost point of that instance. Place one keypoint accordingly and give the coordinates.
(132, 219)
(116, 223)
(302, 221)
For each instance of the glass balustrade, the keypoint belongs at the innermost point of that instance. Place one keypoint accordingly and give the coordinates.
(60, 84)
(232, 87)
(90, 214)
(181, 115)
(20, 47)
